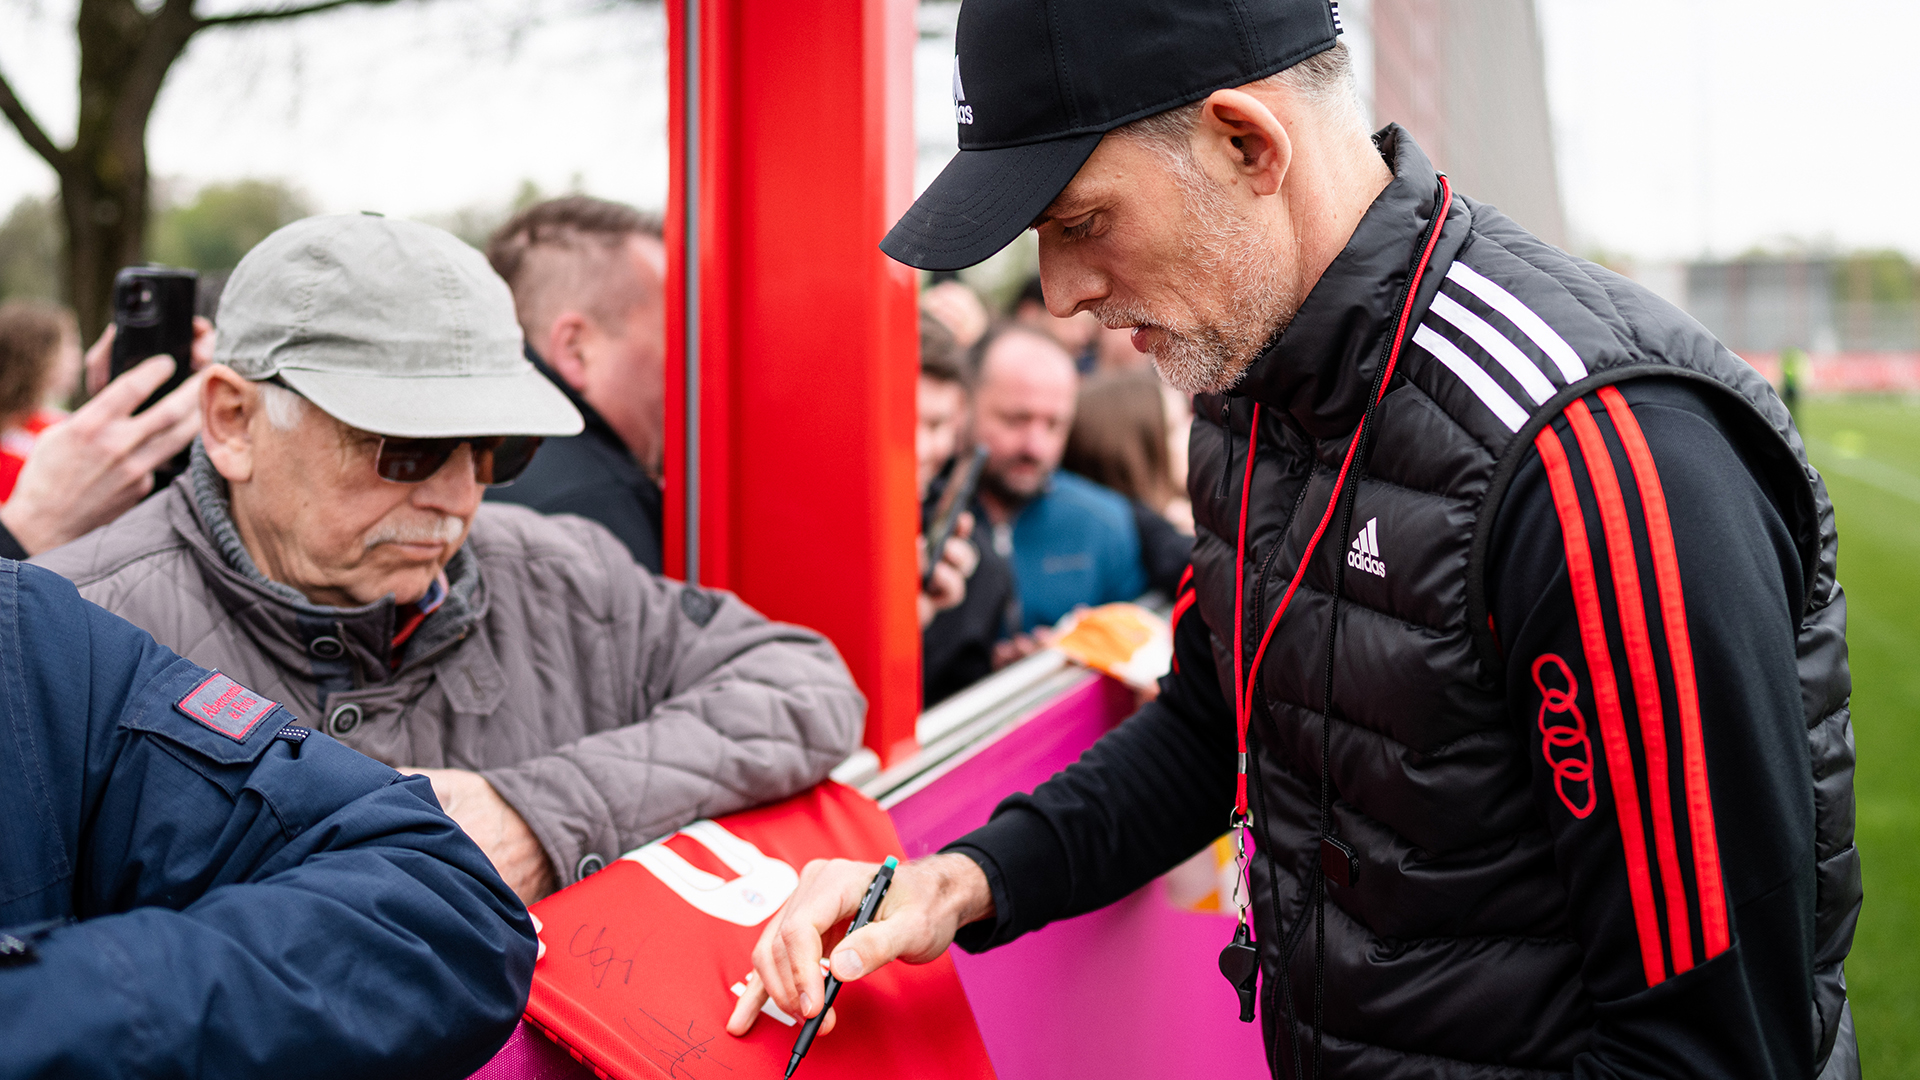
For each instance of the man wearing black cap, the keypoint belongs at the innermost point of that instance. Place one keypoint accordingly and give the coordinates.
(1512, 650)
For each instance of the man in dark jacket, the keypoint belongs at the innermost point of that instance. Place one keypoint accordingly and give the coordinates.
(1513, 636)
(586, 276)
(192, 883)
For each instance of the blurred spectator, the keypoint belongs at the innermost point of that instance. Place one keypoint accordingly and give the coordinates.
(958, 308)
(329, 546)
(1119, 440)
(587, 276)
(94, 465)
(957, 645)
(39, 367)
(1078, 333)
(1793, 365)
(1071, 541)
(941, 400)
(942, 414)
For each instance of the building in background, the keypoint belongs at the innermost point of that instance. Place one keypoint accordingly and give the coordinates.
(1468, 79)
(1857, 315)
(1859, 303)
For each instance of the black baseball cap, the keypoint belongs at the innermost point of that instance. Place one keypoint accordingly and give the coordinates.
(1036, 83)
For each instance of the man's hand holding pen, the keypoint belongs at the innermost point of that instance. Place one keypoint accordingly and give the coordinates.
(928, 902)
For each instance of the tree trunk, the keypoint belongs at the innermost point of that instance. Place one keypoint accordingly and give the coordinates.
(124, 57)
(106, 221)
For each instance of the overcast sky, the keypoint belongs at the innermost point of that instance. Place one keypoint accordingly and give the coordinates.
(1682, 126)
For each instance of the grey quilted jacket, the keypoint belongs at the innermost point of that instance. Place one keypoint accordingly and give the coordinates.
(607, 705)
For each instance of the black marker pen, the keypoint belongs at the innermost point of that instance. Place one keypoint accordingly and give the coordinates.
(868, 905)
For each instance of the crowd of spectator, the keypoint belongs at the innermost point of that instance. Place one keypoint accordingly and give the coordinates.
(345, 548)
(186, 817)
(1083, 498)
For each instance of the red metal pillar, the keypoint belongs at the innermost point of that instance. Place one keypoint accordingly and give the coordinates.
(790, 479)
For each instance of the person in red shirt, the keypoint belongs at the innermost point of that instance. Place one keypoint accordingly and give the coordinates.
(39, 365)
(62, 476)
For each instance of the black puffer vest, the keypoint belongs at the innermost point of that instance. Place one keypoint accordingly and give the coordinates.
(1452, 938)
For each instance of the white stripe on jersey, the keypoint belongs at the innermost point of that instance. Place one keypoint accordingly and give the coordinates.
(1508, 410)
(1522, 316)
(1517, 363)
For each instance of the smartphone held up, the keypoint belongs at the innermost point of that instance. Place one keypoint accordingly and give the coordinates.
(153, 310)
(153, 316)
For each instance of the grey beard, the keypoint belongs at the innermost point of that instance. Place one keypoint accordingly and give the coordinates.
(1221, 245)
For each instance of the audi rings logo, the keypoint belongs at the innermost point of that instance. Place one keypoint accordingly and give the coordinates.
(1565, 745)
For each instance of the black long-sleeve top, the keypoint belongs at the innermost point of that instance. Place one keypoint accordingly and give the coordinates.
(1694, 907)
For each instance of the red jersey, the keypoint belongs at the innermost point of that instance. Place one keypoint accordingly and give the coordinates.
(17, 442)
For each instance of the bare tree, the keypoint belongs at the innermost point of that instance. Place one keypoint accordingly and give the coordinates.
(125, 54)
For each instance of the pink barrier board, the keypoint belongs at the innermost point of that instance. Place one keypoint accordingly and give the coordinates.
(1130, 991)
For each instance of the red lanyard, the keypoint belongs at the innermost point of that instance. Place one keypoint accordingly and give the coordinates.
(1243, 674)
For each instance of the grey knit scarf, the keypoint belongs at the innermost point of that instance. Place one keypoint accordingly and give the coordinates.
(446, 622)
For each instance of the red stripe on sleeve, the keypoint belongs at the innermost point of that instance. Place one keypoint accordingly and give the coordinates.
(1186, 597)
(1181, 605)
(1673, 616)
(1646, 678)
(1606, 693)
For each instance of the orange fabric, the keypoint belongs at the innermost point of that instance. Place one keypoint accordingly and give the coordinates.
(1106, 637)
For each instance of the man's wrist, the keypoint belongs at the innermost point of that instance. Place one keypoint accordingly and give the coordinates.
(19, 522)
(961, 891)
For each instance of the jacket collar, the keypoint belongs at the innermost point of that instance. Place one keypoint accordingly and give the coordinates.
(285, 624)
(1321, 366)
(596, 425)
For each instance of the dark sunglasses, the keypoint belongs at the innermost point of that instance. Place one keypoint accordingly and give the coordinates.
(497, 459)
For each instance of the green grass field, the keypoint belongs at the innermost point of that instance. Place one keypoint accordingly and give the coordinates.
(1869, 451)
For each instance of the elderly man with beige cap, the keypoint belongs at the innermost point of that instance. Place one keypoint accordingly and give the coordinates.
(329, 548)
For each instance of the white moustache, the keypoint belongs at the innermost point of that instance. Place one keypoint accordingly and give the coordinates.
(445, 529)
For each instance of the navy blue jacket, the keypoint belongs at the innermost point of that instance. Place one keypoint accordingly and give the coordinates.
(208, 895)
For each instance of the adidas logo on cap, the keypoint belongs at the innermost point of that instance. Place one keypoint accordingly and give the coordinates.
(1365, 553)
(962, 112)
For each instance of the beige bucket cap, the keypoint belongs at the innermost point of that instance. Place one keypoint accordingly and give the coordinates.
(391, 326)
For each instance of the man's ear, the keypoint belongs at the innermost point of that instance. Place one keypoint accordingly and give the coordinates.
(228, 404)
(566, 351)
(1238, 132)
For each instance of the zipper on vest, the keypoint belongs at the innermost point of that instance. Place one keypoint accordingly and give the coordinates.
(1266, 568)
(1226, 474)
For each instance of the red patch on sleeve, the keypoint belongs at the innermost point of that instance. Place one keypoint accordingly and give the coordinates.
(225, 706)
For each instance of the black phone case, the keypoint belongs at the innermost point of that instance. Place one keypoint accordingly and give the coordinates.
(153, 316)
(965, 473)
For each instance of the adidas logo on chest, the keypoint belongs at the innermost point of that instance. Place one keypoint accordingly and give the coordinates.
(1365, 552)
